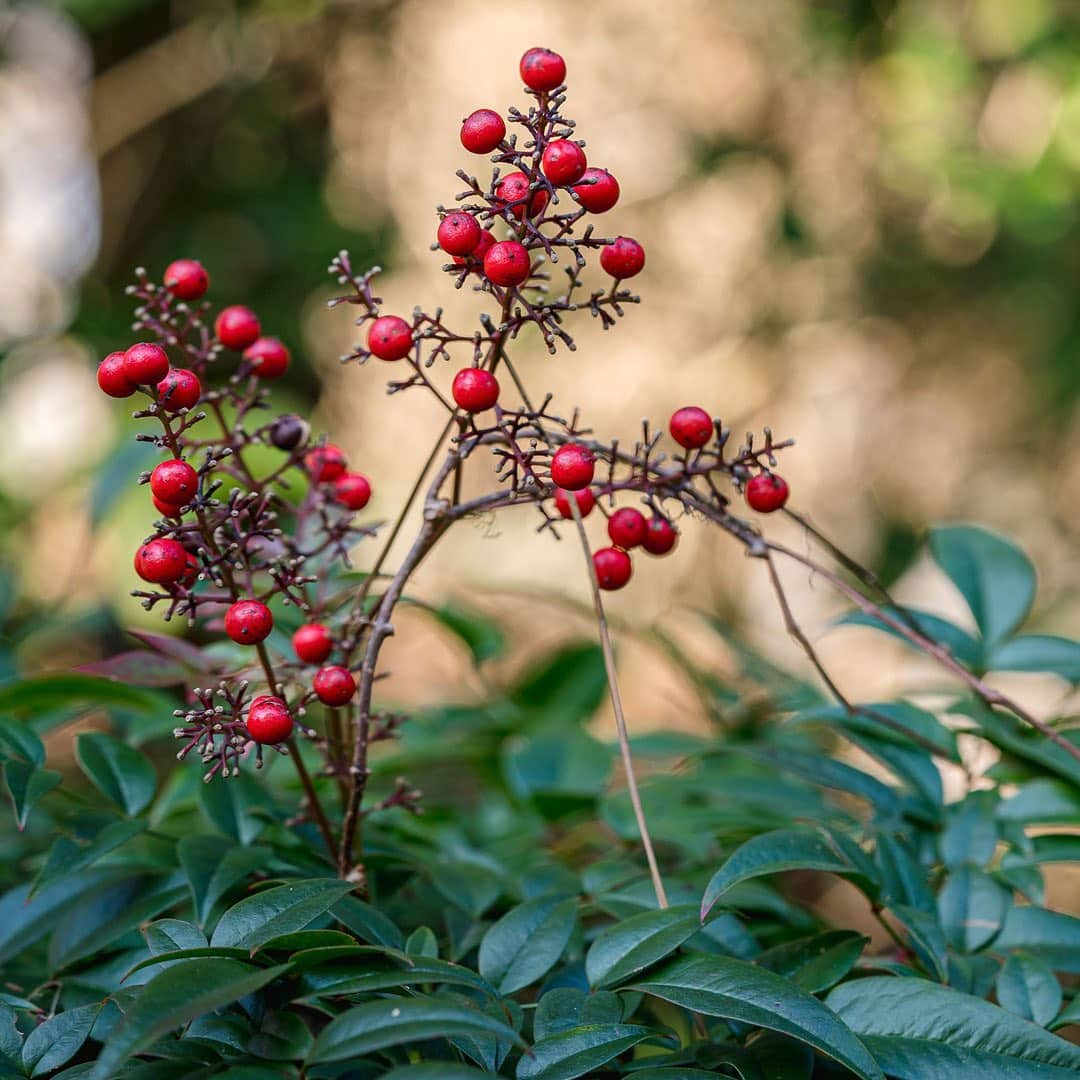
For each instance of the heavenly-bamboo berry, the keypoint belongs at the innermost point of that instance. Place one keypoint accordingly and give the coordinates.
(507, 263)
(325, 463)
(585, 501)
(563, 162)
(613, 567)
(352, 490)
(180, 389)
(145, 363)
(691, 427)
(334, 686)
(513, 194)
(161, 561)
(572, 467)
(487, 238)
(174, 481)
(627, 527)
(475, 390)
(268, 357)
(268, 720)
(166, 508)
(112, 378)
(623, 258)
(598, 190)
(237, 327)
(767, 492)
(542, 69)
(482, 131)
(660, 536)
(390, 337)
(289, 431)
(248, 622)
(459, 233)
(313, 643)
(186, 279)
(191, 570)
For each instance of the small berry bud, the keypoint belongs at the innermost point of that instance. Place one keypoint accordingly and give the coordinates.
(186, 279)
(248, 622)
(334, 686)
(112, 378)
(507, 263)
(513, 189)
(623, 259)
(542, 69)
(627, 527)
(237, 327)
(585, 501)
(268, 720)
(325, 463)
(145, 363)
(353, 490)
(268, 357)
(767, 492)
(174, 482)
(288, 432)
(459, 233)
(660, 536)
(475, 390)
(390, 338)
(161, 561)
(313, 643)
(482, 131)
(572, 467)
(613, 568)
(180, 389)
(691, 427)
(563, 162)
(598, 190)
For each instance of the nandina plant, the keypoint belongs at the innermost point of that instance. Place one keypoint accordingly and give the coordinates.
(539, 921)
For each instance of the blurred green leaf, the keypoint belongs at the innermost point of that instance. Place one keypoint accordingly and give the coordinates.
(118, 770)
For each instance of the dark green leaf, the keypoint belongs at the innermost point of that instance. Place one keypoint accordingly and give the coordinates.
(66, 857)
(915, 1059)
(1026, 986)
(926, 937)
(565, 763)
(966, 649)
(1038, 652)
(118, 770)
(622, 950)
(482, 637)
(970, 834)
(569, 687)
(54, 691)
(281, 910)
(367, 923)
(234, 806)
(435, 1070)
(59, 1039)
(567, 1007)
(22, 741)
(818, 962)
(1052, 936)
(1042, 802)
(171, 935)
(579, 1051)
(526, 942)
(971, 907)
(214, 865)
(26, 784)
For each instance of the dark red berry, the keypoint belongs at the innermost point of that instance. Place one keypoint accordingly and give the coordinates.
(191, 570)
(248, 622)
(542, 69)
(691, 427)
(145, 363)
(289, 431)
(512, 192)
(161, 561)
(334, 685)
(175, 482)
(390, 338)
(623, 259)
(627, 527)
(660, 536)
(459, 233)
(475, 390)
(572, 467)
(585, 501)
(613, 568)
(112, 378)
(325, 463)
(186, 279)
(313, 643)
(563, 162)
(237, 327)
(487, 238)
(268, 357)
(268, 720)
(482, 131)
(598, 190)
(168, 509)
(507, 263)
(180, 389)
(767, 492)
(353, 490)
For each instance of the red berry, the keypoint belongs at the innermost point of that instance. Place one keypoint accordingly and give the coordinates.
(334, 685)
(459, 233)
(353, 490)
(180, 389)
(598, 190)
(623, 259)
(487, 238)
(660, 536)
(166, 508)
(313, 643)
(627, 527)
(475, 390)
(767, 492)
(482, 131)
(237, 327)
(191, 570)
(248, 622)
(514, 189)
(507, 263)
(542, 69)
(269, 358)
(613, 568)
(691, 427)
(175, 482)
(572, 467)
(268, 720)
(112, 378)
(585, 501)
(563, 162)
(390, 337)
(186, 279)
(325, 463)
(145, 363)
(161, 561)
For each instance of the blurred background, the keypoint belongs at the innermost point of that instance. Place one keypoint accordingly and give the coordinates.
(861, 225)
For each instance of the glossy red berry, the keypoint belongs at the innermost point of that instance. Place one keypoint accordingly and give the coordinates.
(166, 508)
(268, 357)
(175, 482)
(237, 327)
(513, 189)
(161, 561)
(390, 337)
(572, 467)
(563, 162)
(186, 279)
(623, 259)
(459, 233)
(542, 69)
(191, 570)
(268, 720)
(325, 463)
(613, 567)
(507, 263)
(585, 501)
(248, 622)
(353, 490)
(598, 190)
(660, 536)
(145, 363)
(627, 527)
(334, 685)
(112, 378)
(487, 238)
(313, 643)
(180, 389)
(482, 131)
(767, 492)
(691, 427)
(475, 390)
